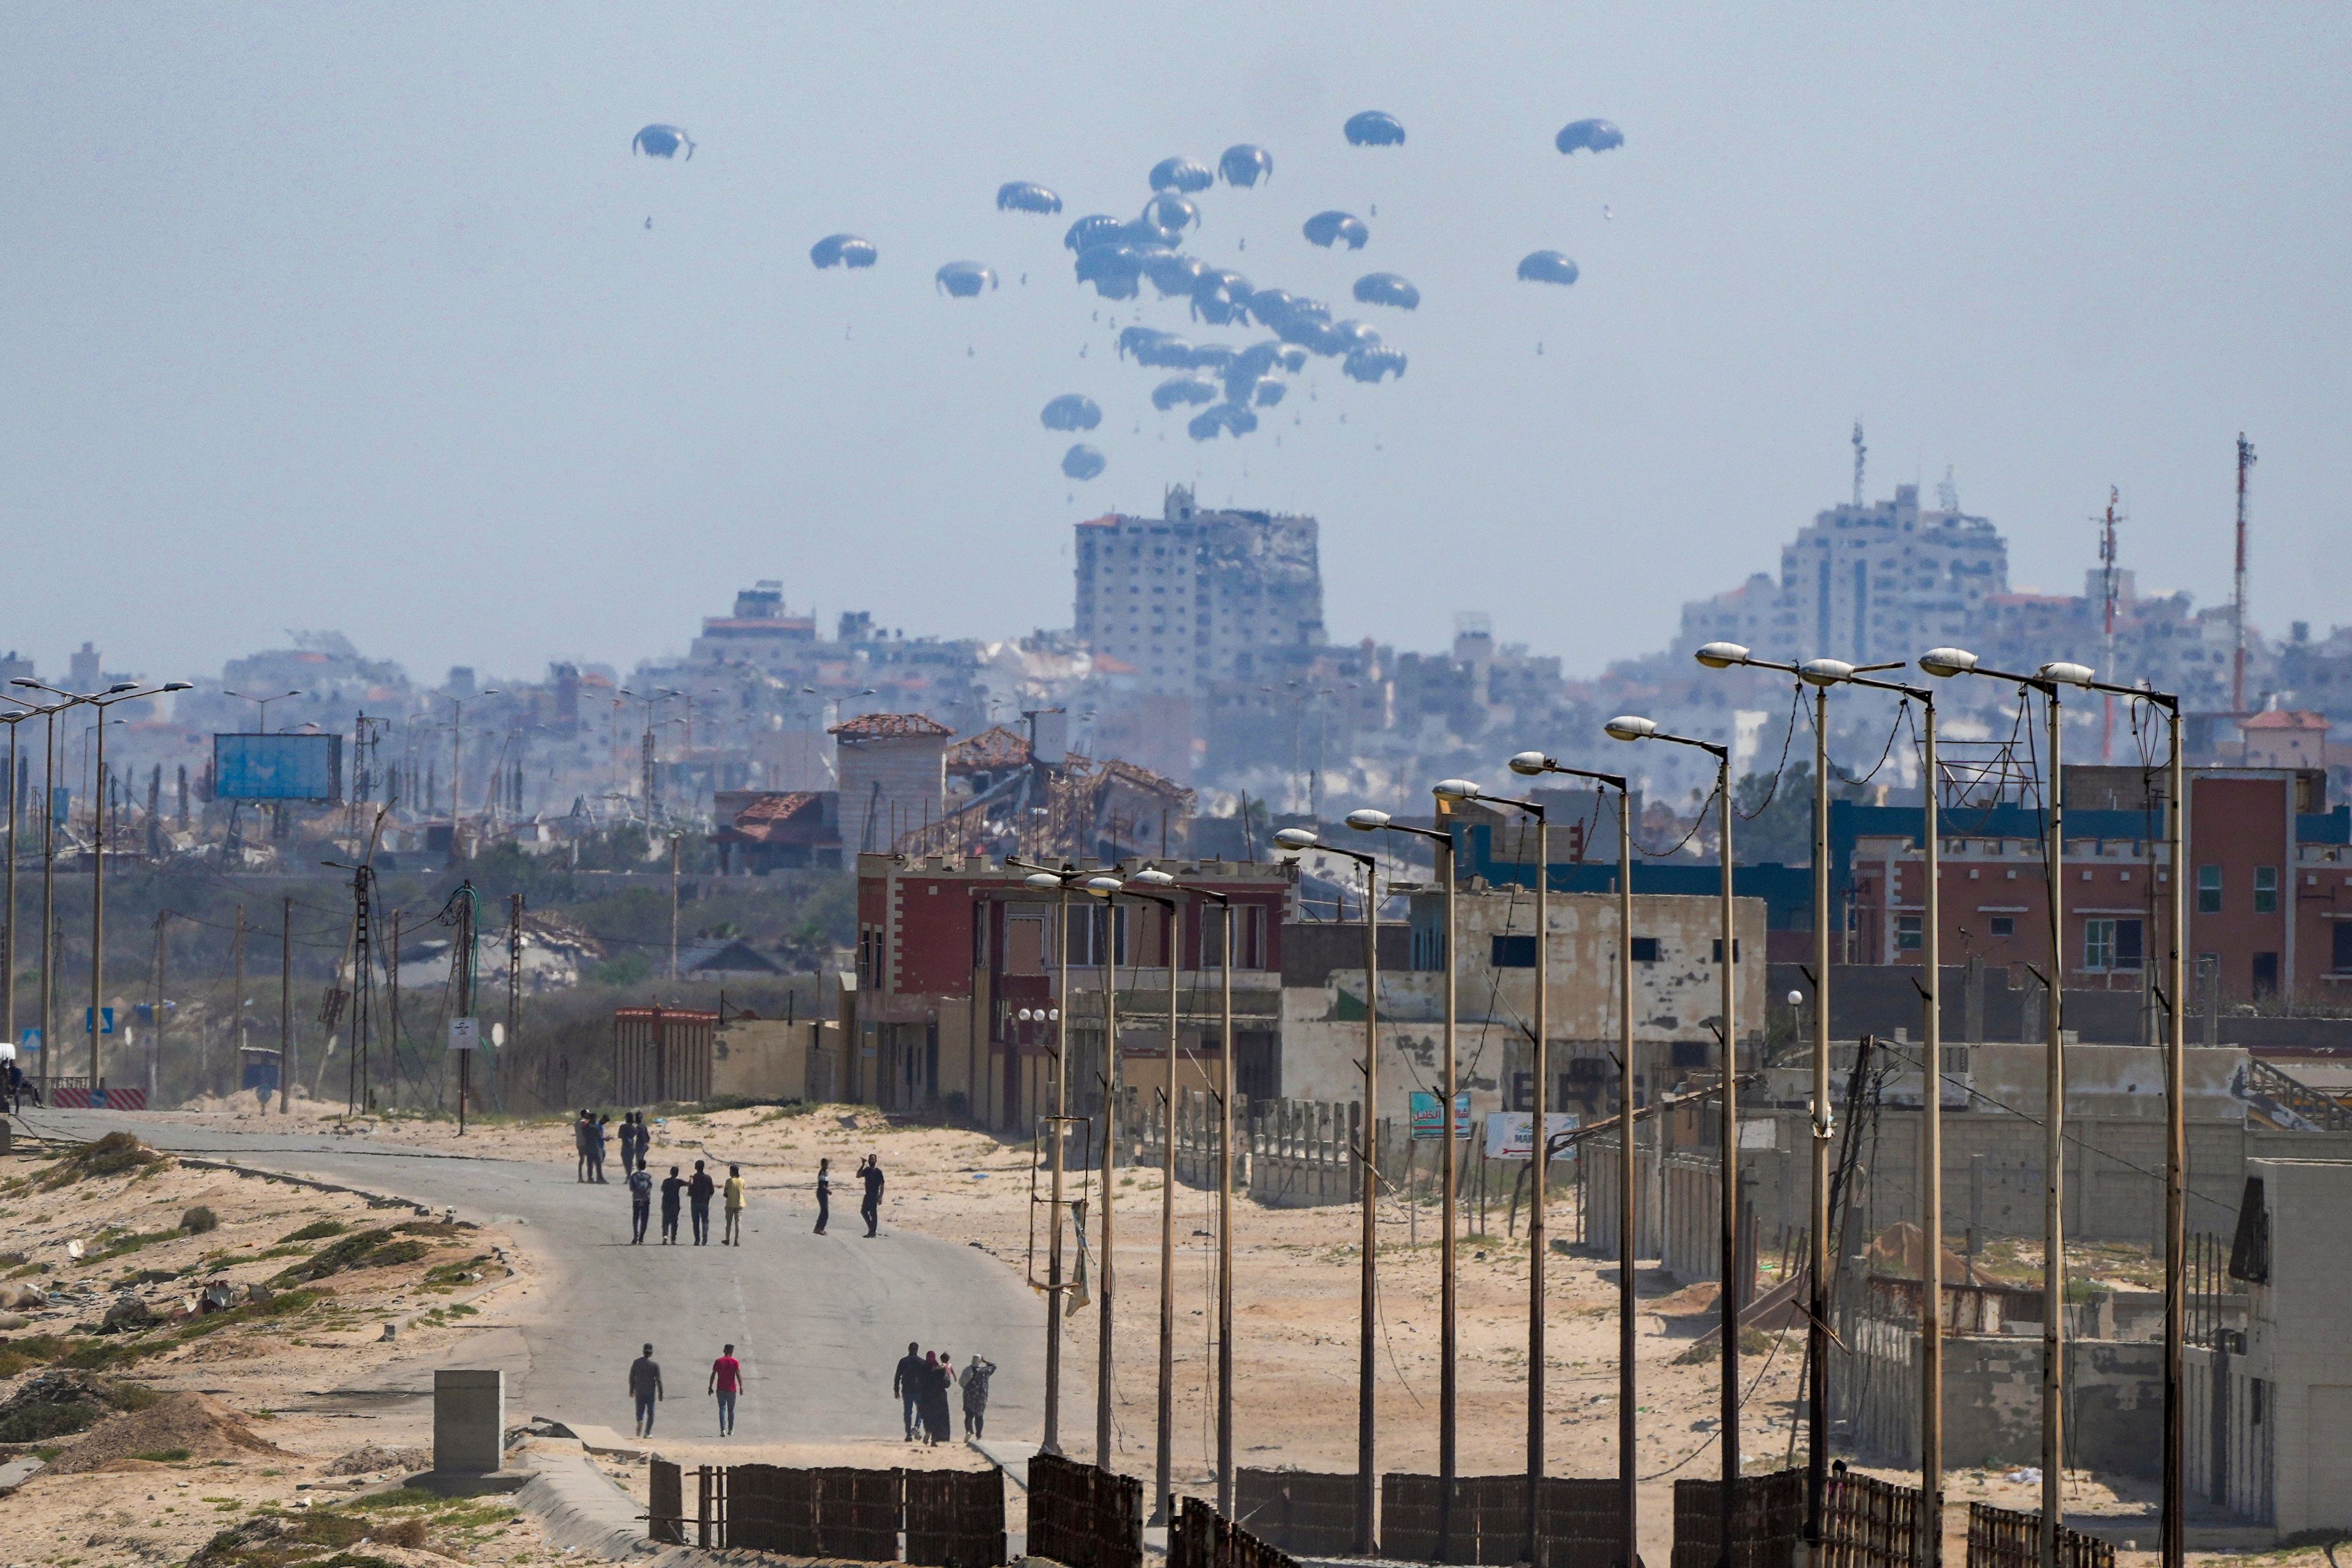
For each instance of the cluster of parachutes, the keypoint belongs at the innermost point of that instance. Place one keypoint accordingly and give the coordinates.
(1117, 257)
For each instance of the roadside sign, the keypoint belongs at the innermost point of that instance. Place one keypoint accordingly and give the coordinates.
(464, 1034)
(106, 1013)
(1511, 1134)
(1428, 1116)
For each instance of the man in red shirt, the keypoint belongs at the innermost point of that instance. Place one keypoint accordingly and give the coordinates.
(727, 1382)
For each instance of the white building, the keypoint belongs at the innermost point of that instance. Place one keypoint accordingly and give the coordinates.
(1190, 596)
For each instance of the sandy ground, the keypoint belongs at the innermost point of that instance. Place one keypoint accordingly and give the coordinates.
(248, 1425)
(1297, 1277)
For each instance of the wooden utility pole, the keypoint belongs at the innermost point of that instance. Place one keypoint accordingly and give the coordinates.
(286, 1008)
(514, 969)
(464, 902)
(392, 969)
(155, 1046)
(236, 1035)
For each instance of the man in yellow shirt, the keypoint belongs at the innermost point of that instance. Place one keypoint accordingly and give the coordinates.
(734, 1194)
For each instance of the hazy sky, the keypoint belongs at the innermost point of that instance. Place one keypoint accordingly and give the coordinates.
(349, 317)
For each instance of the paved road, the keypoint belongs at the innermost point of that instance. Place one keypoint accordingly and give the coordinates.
(817, 1320)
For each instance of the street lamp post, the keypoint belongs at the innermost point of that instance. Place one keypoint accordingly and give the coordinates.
(1367, 820)
(1540, 1153)
(1224, 1197)
(1533, 764)
(120, 692)
(1106, 888)
(1368, 1482)
(8, 928)
(1164, 1432)
(2172, 1527)
(456, 770)
(1629, 728)
(260, 724)
(1944, 663)
(1055, 881)
(1821, 673)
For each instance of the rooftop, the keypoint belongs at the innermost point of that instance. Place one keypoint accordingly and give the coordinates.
(890, 726)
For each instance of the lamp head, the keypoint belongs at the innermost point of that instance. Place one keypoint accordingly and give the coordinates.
(21, 680)
(1631, 727)
(1101, 887)
(1825, 671)
(179, 686)
(1530, 763)
(1365, 820)
(1796, 998)
(2072, 674)
(1721, 654)
(122, 686)
(1023, 1016)
(1153, 877)
(1945, 662)
(1044, 881)
(1454, 789)
(1296, 839)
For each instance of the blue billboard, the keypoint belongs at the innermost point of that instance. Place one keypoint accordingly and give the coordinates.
(278, 767)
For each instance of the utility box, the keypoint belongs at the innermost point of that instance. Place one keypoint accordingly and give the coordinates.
(469, 1420)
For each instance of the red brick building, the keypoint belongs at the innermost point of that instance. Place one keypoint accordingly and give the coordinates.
(950, 950)
(2270, 906)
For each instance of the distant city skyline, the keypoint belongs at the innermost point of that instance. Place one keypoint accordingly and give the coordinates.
(356, 320)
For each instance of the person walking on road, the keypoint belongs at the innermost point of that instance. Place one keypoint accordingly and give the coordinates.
(976, 1373)
(580, 1126)
(627, 1137)
(597, 1138)
(727, 1383)
(824, 1194)
(906, 1382)
(641, 1203)
(870, 1173)
(933, 1405)
(645, 1388)
(735, 1195)
(698, 1200)
(672, 1185)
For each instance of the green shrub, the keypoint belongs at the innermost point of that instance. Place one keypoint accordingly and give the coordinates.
(317, 1230)
(278, 1306)
(31, 1423)
(198, 1220)
(110, 1156)
(163, 1456)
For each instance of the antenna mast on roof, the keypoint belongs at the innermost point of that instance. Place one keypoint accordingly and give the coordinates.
(2107, 587)
(2237, 595)
(1861, 453)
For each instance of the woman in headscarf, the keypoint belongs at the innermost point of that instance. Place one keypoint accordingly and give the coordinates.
(933, 1405)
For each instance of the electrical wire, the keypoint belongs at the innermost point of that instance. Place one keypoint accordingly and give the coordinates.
(1796, 701)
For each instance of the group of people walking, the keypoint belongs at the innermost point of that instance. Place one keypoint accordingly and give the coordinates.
(697, 1192)
(870, 1206)
(921, 1383)
(592, 1134)
(645, 1389)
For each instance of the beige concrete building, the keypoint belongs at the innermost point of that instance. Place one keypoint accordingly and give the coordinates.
(2269, 1412)
(1677, 999)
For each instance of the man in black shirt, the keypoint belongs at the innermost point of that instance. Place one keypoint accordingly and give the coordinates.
(906, 1382)
(672, 1185)
(698, 1199)
(645, 1388)
(870, 1173)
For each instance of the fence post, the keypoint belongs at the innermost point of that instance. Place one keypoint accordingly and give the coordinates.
(702, 1505)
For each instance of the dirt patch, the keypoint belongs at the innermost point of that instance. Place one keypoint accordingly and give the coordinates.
(195, 1423)
(370, 1459)
(1691, 1300)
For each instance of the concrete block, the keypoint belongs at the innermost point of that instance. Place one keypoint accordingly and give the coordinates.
(470, 1411)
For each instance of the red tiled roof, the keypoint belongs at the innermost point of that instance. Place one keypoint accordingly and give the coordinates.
(2284, 719)
(994, 748)
(1145, 779)
(774, 807)
(891, 725)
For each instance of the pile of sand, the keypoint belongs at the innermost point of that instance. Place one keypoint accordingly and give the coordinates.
(202, 1426)
(1690, 1301)
(371, 1458)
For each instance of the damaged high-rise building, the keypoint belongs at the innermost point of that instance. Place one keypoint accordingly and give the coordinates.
(1196, 595)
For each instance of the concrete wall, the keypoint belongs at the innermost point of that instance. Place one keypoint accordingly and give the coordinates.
(1992, 1400)
(761, 1059)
